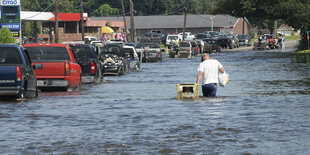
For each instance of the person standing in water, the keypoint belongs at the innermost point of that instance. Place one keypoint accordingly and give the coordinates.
(209, 69)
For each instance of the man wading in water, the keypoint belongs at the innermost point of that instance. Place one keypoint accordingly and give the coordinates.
(209, 69)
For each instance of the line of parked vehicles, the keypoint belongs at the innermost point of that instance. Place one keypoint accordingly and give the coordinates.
(28, 69)
(209, 42)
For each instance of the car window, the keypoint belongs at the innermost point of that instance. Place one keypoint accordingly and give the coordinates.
(27, 58)
(184, 44)
(194, 44)
(154, 46)
(112, 50)
(147, 35)
(48, 53)
(173, 37)
(141, 45)
(129, 51)
(10, 55)
(82, 52)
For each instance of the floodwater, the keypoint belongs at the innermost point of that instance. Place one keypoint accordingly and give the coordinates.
(265, 109)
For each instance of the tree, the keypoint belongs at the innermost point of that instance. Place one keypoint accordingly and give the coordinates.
(293, 12)
(106, 10)
(6, 36)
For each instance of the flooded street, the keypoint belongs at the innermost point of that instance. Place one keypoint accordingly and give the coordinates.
(265, 109)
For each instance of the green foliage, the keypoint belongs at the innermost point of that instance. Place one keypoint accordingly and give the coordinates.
(293, 12)
(292, 33)
(252, 34)
(6, 37)
(106, 10)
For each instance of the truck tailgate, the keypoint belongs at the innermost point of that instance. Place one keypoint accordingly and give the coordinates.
(8, 76)
(50, 69)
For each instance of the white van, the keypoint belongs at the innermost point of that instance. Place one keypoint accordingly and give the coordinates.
(172, 38)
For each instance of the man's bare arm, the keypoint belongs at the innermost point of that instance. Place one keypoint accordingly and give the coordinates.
(200, 74)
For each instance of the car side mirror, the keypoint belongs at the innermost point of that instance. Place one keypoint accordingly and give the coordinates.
(37, 66)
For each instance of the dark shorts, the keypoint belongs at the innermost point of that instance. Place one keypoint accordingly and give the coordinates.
(209, 90)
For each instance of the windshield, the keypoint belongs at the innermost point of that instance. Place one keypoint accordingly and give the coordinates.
(129, 51)
(10, 55)
(223, 36)
(184, 44)
(112, 50)
(154, 46)
(201, 36)
(173, 37)
(213, 34)
(82, 52)
(242, 37)
(141, 45)
(48, 53)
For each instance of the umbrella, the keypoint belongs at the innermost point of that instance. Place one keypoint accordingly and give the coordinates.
(106, 29)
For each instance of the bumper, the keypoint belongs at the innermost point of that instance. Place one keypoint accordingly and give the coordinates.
(9, 91)
(243, 43)
(111, 69)
(52, 83)
(88, 79)
(153, 59)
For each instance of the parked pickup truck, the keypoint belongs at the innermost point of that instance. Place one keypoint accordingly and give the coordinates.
(113, 60)
(60, 69)
(86, 57)
(17, 77)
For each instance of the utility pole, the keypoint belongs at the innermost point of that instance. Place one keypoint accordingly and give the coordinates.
(275, 28)
(243, 24)
(82, 19)
(56, 22)
(124, 16)
(132, 22)
(184, 27)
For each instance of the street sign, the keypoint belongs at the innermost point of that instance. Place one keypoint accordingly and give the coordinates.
(10, 2)
(11, 26)
(10, 14)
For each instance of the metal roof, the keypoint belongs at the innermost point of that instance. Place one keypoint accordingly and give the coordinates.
(175, 21)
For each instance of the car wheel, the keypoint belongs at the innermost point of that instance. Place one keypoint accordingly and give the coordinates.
(230, 47)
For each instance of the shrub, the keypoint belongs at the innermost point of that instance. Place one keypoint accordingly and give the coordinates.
(292, 33)
(6, 36)
(252, 34)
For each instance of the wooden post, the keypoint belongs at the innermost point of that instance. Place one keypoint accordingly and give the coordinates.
(82, 20)
(132, 22)
(124, 16)
(56, 22)
(243, 24)
(184, 27)
(275, 28)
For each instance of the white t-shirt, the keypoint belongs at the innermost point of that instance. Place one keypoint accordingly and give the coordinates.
(210, 69)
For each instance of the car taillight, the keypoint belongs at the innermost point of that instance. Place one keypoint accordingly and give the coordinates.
(196, 49)
(18, 74)
(159, 54)
(215, 46)
(92, 68)
(67, 68)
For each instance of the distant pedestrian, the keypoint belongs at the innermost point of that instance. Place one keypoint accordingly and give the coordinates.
(283, 43)
(209, 69)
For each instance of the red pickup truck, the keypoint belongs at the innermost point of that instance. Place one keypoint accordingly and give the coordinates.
(60, 69)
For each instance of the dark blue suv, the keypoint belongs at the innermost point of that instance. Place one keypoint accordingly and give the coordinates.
(17, 78)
